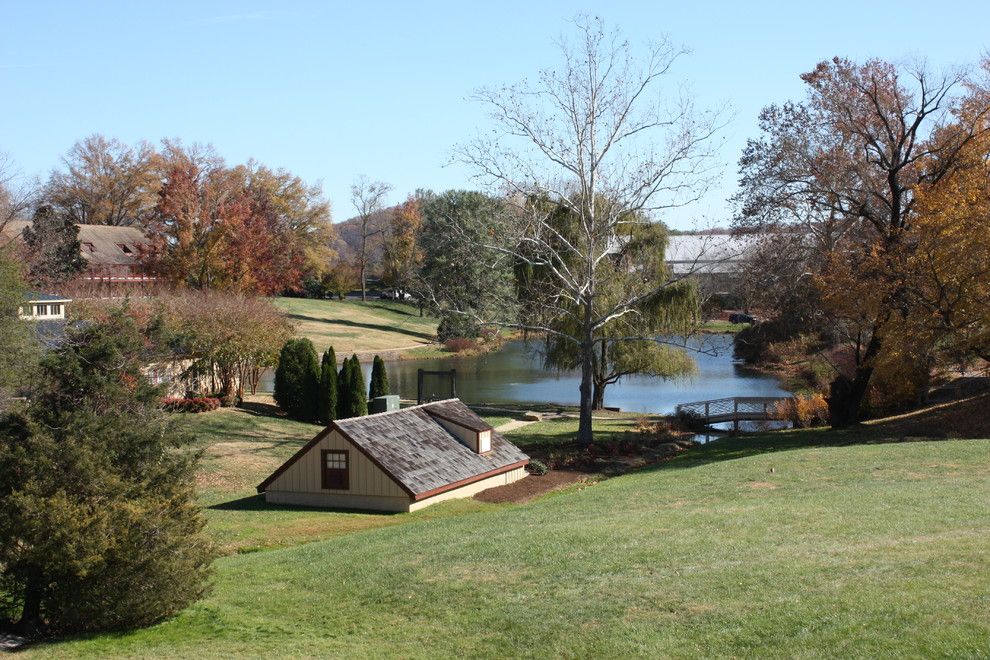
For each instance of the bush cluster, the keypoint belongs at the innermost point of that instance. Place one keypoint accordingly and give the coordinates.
(804, 411)
(460, 344)
(191, 404)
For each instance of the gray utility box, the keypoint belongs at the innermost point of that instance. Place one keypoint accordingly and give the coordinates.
(386, 403)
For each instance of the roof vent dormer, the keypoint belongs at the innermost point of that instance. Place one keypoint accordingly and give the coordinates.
(474, 433)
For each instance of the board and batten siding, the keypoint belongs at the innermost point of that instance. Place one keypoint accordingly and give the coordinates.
(369, 488)
(468, 490)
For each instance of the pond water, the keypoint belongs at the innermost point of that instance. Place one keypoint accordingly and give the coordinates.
(515, 374)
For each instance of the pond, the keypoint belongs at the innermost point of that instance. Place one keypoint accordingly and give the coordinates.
(515, 374)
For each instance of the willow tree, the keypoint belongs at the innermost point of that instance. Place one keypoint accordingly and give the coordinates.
(636, 343)
(598, 137)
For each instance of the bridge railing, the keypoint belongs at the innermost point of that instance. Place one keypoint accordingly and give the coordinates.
(733, 407)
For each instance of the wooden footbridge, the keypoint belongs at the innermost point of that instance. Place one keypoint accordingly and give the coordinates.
(733, 409)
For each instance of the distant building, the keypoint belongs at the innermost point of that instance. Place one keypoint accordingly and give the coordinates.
(114, 257)
(715, 261)
(46, 313)
(43, 307)
(398, 461)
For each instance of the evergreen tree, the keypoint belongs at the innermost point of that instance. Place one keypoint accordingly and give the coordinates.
(379, 379)
(99, 528)
(297, 380)
(53, 241)
(17, 351)
(359, 400)
(344, 390)
(327, 408)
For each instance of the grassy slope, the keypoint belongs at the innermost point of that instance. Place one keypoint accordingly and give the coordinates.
(241, 448)
(760, 546)
(352, 326)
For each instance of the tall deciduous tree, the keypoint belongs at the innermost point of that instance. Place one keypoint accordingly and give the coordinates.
(634, 343)
(460, 281)
(845, 165)
(105, 182)
(368, 198)
(17, 196)
(400, 249)
(593, 136)
(246, 228)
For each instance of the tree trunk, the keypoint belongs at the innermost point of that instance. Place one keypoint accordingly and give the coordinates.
(598, 395)
(30, 621)
(585, 434)
(845, 395)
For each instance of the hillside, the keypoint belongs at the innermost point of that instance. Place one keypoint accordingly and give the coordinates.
(352, 326)
(759, 546)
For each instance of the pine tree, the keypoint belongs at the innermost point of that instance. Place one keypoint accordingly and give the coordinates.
(379, 379)
(344, 390)
(327, 408)
(359, 400)
(297, 380)
(53, 241)
(99, 528)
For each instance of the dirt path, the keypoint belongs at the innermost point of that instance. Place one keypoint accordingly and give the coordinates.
(514, 424)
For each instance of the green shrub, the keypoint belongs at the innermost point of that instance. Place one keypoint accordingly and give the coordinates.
(357, 405)
(453, 326)
(536, 467)
(379, 379)
(327, 401)
(297, 380)
(99, 529)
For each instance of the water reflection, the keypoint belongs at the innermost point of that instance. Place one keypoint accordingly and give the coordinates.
(515, 375)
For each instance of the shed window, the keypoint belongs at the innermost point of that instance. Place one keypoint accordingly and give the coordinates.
(89, 246)
(123, 248)
(55, 310)
(335, 472)
(41, 310)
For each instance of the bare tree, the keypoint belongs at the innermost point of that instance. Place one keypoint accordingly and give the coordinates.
(594, 137)
(16, 196)
(368, 198)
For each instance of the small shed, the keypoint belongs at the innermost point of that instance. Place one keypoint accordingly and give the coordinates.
(401, 460)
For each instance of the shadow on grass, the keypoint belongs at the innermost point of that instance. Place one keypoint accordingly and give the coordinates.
(365, 326)
(258, 503)
(261, 409)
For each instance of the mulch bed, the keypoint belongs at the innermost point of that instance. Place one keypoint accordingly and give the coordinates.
(533, 486)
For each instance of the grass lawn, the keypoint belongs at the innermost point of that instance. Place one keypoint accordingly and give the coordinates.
(243, 446)
(802, 544)
(353, 326)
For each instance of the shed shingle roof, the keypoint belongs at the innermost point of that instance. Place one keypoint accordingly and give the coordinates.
(417, 451)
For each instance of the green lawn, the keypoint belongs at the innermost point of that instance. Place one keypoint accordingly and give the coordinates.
(353, 326)
(800, 544)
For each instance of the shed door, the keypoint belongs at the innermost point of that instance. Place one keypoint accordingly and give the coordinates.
(335, 469)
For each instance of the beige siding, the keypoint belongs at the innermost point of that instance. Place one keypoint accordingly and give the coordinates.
(333, 500)
(471, 489)
(466, 436)
(305, 475)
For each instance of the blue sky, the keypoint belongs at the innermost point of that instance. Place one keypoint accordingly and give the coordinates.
(331, 90)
